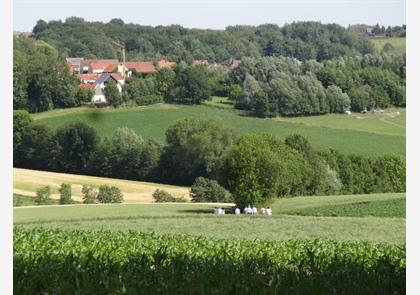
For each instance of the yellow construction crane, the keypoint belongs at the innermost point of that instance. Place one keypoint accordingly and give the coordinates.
(121, 45)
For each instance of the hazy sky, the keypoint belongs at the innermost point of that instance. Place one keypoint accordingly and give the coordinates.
(216, 14)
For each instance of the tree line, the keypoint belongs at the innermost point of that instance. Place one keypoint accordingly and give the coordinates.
(76, 37)
(271, 86)
(265, 86)
(254, 168)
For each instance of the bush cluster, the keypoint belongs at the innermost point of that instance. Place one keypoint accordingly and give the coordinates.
(162, 196)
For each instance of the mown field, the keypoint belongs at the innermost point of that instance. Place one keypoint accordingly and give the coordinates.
(364, 134)
(197, 219)
(396, 42)
(26, 182)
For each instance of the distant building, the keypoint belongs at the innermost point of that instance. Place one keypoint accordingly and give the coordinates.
(231, 63)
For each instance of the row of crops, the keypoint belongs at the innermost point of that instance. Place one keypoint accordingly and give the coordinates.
(50, 261)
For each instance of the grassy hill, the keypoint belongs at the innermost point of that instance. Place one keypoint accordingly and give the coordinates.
(26, 182)
(197, 219)
(366, 134)
(397, 42)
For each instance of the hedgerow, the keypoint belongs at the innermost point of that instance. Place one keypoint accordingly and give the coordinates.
(50, 261)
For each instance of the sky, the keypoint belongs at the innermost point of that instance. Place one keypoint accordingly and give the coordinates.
(216, 14)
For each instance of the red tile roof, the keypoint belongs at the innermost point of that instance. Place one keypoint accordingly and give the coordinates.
(144, 67)
(88, 77)
(203, 62)
(90, 86)
(110, 68)
(117, 76)
(102, 65)
(163, 63)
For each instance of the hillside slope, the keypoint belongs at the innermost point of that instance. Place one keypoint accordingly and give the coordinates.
(369, 134)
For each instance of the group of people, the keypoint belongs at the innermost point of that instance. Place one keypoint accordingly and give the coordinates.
(247, 210)
(253, 210)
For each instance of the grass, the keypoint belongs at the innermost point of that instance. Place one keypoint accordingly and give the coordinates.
(371, 136)
(26, 182)
(397, 42)
(21, 200)
(196, 219)
(386, 208)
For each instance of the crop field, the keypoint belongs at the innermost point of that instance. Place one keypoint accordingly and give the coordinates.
(197, 219)
(63, 262)
(368, 134)
(398, 43)
(26, 182)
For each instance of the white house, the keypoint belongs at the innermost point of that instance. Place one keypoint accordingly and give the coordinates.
(99, 94)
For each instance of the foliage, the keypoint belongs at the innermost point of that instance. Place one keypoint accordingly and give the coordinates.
(194, 148)
(208, 190)
(65, 194)
(162, 196)
(42, 195)
(77, 141)
(134, 261)
(301, 40)
(112, 94)
(89, 194)
(109, 194)
(260, 167)
(41, 78)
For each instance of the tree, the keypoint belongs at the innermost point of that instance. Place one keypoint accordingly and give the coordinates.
(38, 148)
(338, 101)
(390, 174)
(126, 150)
(77, 141)
(234, 92)
(89, 194)
(112, 94)
(65, 194)
(109, 194)
(43, 195)
(193, 84)
(208, 190)
(21, 122)
(260, 168)
(194, 148)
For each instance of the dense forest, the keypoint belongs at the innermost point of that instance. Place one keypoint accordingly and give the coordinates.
(301, 40)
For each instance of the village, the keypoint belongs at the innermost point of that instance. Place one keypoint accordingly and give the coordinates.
(93, 73)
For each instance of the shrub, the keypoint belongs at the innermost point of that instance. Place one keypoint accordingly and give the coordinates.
(43, 195)
(89, 194)
(208, 190)
(109, 194)
(161, 196)
(65, 194)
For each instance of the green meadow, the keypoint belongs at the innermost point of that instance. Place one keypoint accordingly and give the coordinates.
(197, 219)
(397, 42)
(365, 134)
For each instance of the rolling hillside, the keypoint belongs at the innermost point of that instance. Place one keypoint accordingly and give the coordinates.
(365, 134)
(26, 182)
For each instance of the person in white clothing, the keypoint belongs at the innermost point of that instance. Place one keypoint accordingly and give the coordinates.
(254, 210)
(219, 211)
(248, 210)
(262, 211)
(237, 211)
(269, 212)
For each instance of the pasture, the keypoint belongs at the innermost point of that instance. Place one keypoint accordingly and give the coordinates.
(197, 219)
(397, 42)
(371, 134)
